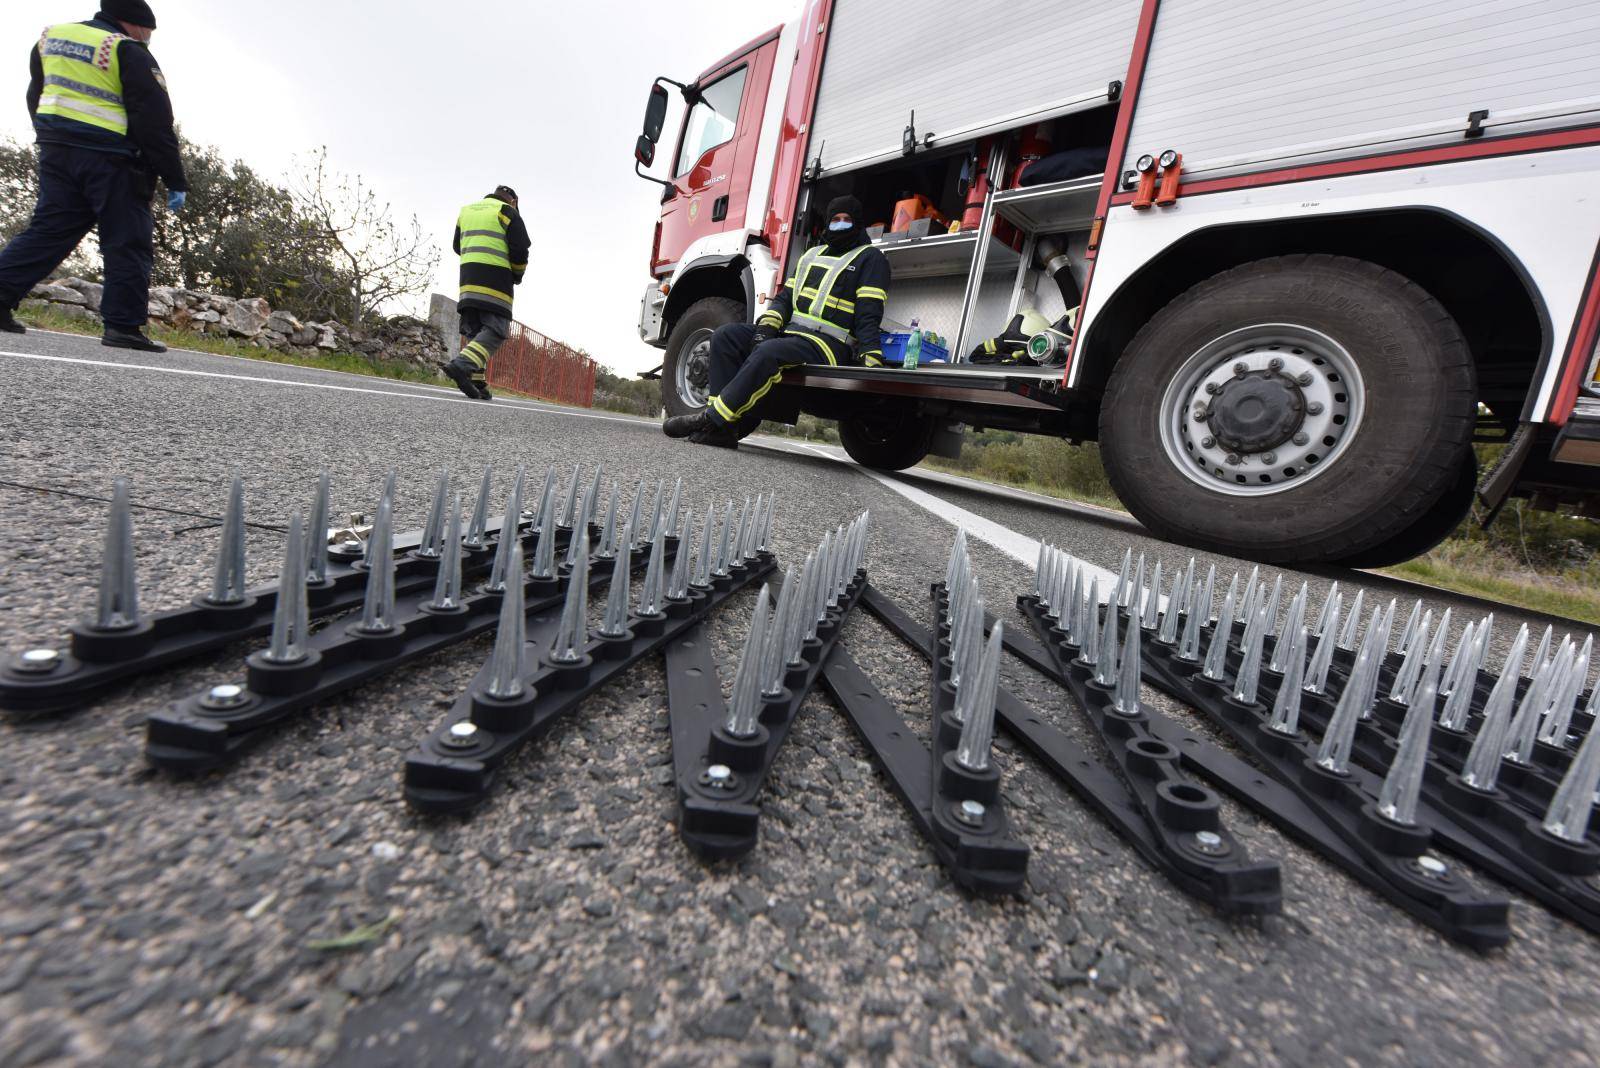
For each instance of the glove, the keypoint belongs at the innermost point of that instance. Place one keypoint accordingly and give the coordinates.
(176, 201)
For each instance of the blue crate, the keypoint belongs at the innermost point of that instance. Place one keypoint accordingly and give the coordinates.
(894, 350)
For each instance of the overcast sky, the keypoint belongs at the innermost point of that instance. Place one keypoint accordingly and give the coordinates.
(436, 104)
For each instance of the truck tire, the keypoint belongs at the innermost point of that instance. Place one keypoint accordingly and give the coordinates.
(1301, 409)
(1450, 512)
(684, 387)
(887, 439)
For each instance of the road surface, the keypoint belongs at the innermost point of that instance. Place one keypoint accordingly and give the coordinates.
(152, 921)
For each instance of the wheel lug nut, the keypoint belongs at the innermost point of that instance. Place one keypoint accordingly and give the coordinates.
(1304, 378)
(1269, 458)
(1275, 364)
(1241, 368)
(1207, 443)
(1301, 439)
(1200, 413)
(1314, 408)
(1213, 388)
(1233, 458)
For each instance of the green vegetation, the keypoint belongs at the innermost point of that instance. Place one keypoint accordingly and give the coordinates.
(1530, 559)
(357, 939)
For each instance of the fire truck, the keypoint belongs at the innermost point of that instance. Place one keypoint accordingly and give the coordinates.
(1320, 250)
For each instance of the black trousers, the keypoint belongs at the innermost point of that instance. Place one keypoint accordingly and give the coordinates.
(742, 372)
(80, 188)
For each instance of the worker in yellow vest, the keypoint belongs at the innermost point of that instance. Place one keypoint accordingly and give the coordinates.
(493, 245)
(103, 123)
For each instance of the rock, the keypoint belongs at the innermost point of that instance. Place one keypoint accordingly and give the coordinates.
(58, 294)
(273, 338)
(207, 316)
(327, 339)
(247, 318)
(306, 335)
(92, 291)
(281, 322)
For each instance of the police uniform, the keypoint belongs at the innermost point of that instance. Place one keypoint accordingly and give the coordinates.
(104, 127)
(829, 312)
(493, 244)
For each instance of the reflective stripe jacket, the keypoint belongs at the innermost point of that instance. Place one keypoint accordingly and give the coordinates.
(846, 314)
(93, 88)
(493, 245)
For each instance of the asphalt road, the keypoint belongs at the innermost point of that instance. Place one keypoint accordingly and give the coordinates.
(146, 920)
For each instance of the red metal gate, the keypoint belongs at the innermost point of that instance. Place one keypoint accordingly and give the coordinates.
(531, 363)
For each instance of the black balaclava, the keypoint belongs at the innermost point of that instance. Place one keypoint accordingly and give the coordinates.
(134, 12)
(843, 240)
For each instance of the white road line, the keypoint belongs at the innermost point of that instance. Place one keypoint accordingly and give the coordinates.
(520, 405)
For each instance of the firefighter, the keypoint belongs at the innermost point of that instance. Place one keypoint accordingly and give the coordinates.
(493, 245)
(828, 313)
(103, 123)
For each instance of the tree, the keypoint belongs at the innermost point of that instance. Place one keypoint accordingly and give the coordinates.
(377, 259)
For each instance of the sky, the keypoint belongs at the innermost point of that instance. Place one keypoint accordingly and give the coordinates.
(436, 104)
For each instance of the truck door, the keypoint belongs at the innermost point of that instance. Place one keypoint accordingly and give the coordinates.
(716, 154)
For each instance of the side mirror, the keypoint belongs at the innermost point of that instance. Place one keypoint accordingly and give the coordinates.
(655, 113)
(644, 150)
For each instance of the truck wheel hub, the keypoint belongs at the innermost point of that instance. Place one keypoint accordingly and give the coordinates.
(1257, 411)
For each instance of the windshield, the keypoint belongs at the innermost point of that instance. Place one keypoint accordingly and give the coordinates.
(711, 122)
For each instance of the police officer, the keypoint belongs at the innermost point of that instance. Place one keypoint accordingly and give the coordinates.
(493, 245)
(828, 313)
(104, 127)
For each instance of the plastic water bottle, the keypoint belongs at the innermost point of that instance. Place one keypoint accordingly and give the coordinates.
(913, 347)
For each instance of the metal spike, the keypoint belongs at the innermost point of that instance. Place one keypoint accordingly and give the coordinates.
(377, 609)
(1125, 698)
(1542, 654)
(1168, 634)
(721, 568)
(1075, 611)
(505, 663)
(387, 495)
(957, 550)
(1233, 592)
(317, 534)
(745, 706)
(608, 529)
(1249, 679)
(478, 525)
(1136, 599)
(546, 501)
(636, 514)
(702, 563)
(572, 631)
(228, 580)
(291, 619)
(1151, 601)
(1480, 651)
(447, 584)
(656, 510)
(765, 544)
(1273, 602)
(1434, 659)
(675, 510)
(1410, 632)
(594, 491)
(1039, 568)
(966, 657)
(650, 603)
(1339, 737)
(1525, 725)
(1322, 659)
(615, 623)
(749, 537)
(1066, 583)
(1457, 664)
(117, 607)
(544, 550)
(1122, 592)
(569, 510)
(1281, 651)
(1216, 665)
(432, 545)
(1089, 632)
(1411, 667)
(508, 538)
(1559, 719)
(1105, 664)
(1376, 643)
(773, 652)
(1347, 637)
(582, 520)
(1482, 767)
(678, 581)
(794, 632)
(977, 726)
(1328, 602)
(1568, 816)
(736, 549)
(1252, 594)
(1397, 797)
(1286, 709)
(812, 615)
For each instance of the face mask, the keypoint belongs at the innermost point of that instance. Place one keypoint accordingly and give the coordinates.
(841, 227)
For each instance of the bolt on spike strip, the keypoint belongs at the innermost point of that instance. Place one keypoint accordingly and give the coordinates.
(317, 534)
(1334, 598)
(447, 584)
(1481, 770)
(572, 632)
(1573, 804)
(615, 624)
(505, 662)
(1286, 709)
(650, 604)
(227, 584)
(291, 621)
(1397, 798)
(1216, 665)
(1411, 667)
(678, 581)
(977, 723)
(118, 604)
(746, 704)
(1125, 698)
(432, 545)
(1559, 719)
(377, 610)
(497, 574)
(608, 530)
(1297, 618)
(1151, 603)
(1317, 674)
(478, 525)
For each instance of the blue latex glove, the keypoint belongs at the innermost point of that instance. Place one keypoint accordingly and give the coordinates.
(175, 201)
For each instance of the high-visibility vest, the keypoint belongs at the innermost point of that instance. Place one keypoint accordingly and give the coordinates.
(816, 309)
(486, 270)
(83, 76)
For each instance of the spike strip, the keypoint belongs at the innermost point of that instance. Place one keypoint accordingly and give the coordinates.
(703, 562)
(227, 584)
(192, 736)
(745, 709)
(608, 528)
(656, 512)
(1332, 608)
(1216, 665)
(291, 623)
(317, 536)
(1285, 718)
(652, 603)
(478, 525)
(1482, 767)
(615, 622)
(678, 581)
(1150, 601)
(1322, 660)
(544, 553)
(1296, 622)
(499, 574)
(1193, 848)
(573, 631)
(1270, 622)
(447, 583)
(1558, 720)
(432, 546)
(1347, 637)
(377, 608)
(1167, 631)
(506, 660)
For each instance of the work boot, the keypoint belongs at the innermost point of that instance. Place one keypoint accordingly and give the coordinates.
(482, 386)
(682, 426)
(118, 338)
(720, 438)
(9, 324)
(461, 376)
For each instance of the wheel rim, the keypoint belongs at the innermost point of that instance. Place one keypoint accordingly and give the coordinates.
(1262, 409)
(693, 377)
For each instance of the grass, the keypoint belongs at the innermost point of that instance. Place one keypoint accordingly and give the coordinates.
(48, 318)
(356, 939)
(1468, 562)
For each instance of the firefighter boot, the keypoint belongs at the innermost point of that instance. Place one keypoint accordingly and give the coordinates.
(481, 384)
(118, 338)
(682, 426)
(8, 322)
(460, 372)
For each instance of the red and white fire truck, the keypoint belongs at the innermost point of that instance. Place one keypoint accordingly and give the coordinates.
(1333, 245)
